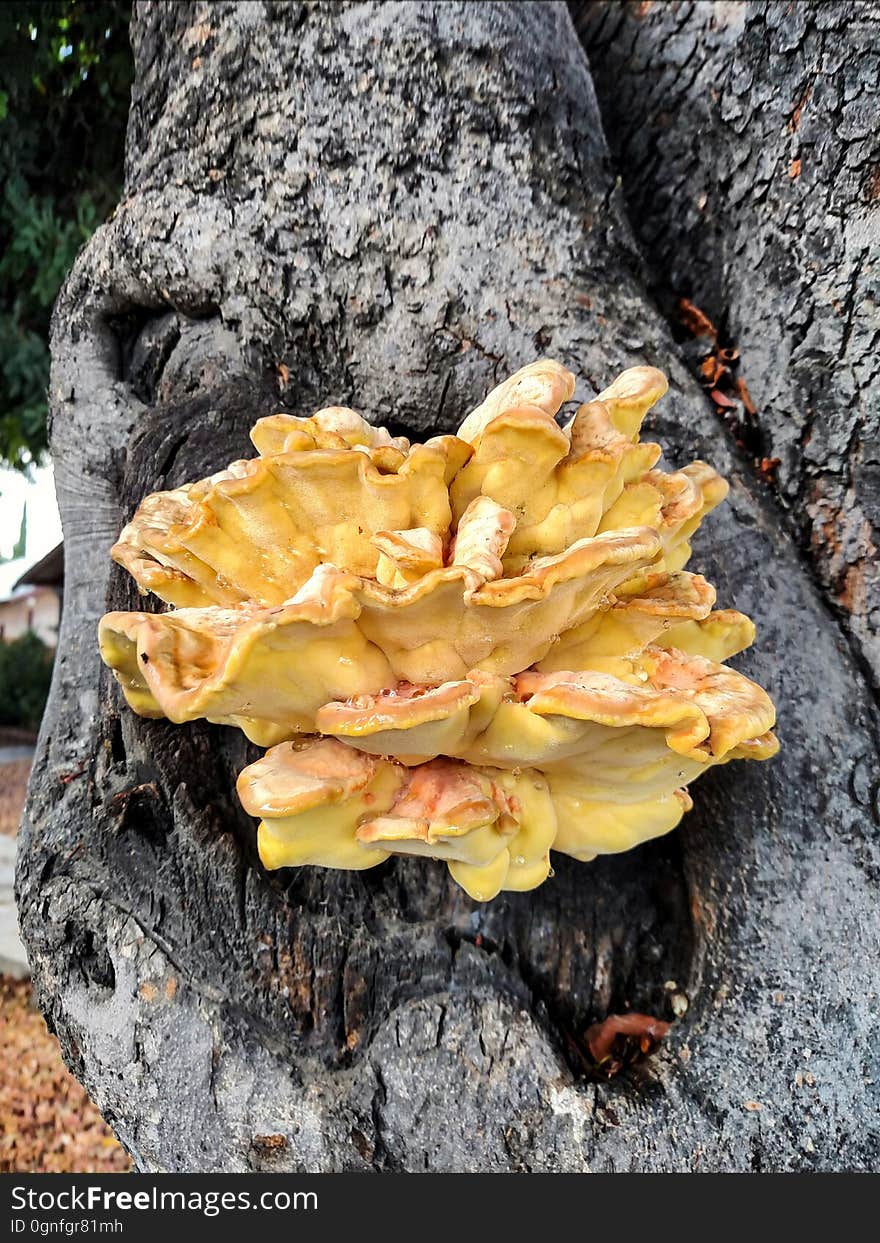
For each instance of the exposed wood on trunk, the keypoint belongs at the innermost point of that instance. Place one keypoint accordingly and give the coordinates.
(400, 203)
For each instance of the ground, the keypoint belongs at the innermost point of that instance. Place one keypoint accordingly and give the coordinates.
(13, 787)
(47, 1122)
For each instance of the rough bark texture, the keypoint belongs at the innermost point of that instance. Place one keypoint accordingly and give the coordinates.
(747, 139)
(402, 203)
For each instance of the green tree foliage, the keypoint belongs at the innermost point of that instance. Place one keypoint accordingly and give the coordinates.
(65, 77)
(25, 674)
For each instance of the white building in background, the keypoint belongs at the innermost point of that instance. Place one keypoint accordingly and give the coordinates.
(30, 608)
(34, 603)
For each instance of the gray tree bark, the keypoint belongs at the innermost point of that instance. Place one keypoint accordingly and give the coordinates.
(747, 140)
(401, 203)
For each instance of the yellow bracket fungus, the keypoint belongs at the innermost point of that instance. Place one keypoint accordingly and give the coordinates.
(478, 649)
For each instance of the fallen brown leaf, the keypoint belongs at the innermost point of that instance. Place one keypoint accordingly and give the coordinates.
(742, 391)
(603, 1039)
(721, 399)
(695, 321)
(712, 369)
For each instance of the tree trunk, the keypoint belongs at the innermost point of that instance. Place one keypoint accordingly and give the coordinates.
(401, 203)
(747, 140)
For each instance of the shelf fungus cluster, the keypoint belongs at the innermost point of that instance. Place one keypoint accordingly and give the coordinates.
(478, 649)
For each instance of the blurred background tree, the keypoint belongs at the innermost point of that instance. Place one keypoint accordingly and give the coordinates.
(65, 79)
(25, 675)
